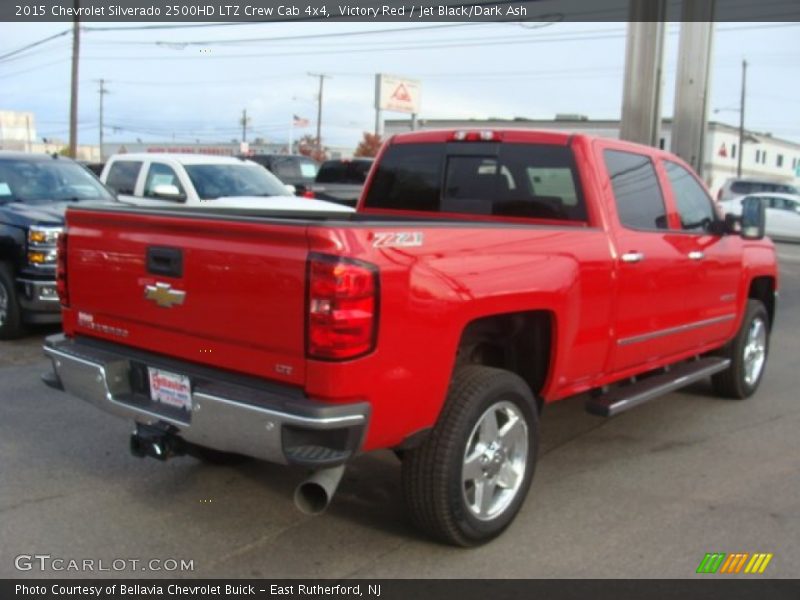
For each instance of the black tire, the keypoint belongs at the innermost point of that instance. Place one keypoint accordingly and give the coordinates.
(735, 381)
(11, 325)
(433, 483)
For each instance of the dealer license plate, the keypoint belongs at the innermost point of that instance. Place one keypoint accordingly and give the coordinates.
(170, 388)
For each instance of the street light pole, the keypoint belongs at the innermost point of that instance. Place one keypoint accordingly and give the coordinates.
(741, 121)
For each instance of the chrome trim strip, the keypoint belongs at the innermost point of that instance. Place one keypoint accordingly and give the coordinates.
(286, 417)
(37, 282)
(635, 339)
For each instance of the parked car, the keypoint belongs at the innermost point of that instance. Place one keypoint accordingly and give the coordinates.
(341, 180)
(190, 180)
(35, 190)
(782, 210)
(742, 187)
(483, 275)
(292, 169)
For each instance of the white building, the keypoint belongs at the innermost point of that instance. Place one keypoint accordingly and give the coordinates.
(18, 133)
(764, 156)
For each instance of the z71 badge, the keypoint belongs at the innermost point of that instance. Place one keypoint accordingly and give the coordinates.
(397, 239)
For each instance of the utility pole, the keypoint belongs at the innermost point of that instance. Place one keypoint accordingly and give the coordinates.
(102, 91)
(690, 118)
(244, 121)
(322, 78)
(73, 101)
(741, 121)
(644, 58)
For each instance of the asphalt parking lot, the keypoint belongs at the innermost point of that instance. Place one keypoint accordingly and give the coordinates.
(645, 494)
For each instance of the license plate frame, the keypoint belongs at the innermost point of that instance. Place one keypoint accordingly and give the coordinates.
(170, 389)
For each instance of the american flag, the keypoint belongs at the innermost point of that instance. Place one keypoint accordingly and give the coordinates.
(299, 122)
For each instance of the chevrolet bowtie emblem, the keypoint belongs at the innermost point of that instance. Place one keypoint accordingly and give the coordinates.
(163, 294)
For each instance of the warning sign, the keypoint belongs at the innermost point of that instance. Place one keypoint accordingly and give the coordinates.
(397, 94)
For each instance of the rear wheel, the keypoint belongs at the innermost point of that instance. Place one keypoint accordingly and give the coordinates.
(467, 481)
(747, 353)
(10, 313)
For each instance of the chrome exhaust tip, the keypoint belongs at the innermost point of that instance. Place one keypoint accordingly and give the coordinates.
(314, 495)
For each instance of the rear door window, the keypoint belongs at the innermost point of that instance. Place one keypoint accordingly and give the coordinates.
(781, 203)
(122, 176)
(640, 203)
(493, 179)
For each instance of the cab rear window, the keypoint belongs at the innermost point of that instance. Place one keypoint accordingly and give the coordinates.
(494, 179)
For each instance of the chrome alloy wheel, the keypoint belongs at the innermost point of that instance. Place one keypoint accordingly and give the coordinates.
(755, 351)
(3, 304)
(495, 460)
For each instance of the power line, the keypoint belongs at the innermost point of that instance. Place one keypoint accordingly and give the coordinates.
(237, 41)
(34, 44)
(444, 44)
(35, 68)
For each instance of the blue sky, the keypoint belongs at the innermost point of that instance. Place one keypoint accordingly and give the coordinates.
(189, 84)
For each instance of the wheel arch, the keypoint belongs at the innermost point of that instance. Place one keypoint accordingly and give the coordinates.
(12, 240)
(519, 342)
(762, 288)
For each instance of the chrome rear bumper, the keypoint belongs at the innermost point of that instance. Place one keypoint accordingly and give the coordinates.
(231, 417)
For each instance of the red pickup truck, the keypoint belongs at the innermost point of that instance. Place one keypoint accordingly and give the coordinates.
(484, 274)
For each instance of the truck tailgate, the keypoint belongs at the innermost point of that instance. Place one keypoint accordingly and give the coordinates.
(216, 291)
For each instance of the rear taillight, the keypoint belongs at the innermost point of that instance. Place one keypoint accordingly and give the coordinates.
(342, 307)
(309, 194)
(61, 269)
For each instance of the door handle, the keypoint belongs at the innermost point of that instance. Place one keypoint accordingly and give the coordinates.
(696, 255)
(633, 257)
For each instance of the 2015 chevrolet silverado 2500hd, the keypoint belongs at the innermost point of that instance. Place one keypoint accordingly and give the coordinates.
(484, 274)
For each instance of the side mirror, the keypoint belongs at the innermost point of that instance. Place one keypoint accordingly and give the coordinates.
(291, 189)
(754, 218)
(168, 191)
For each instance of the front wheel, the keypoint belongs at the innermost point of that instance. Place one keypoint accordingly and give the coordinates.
(747, 353)
(467, 481)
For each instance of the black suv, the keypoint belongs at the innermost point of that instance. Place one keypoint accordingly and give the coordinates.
(292, 169)
(341, 180)
(35, 190)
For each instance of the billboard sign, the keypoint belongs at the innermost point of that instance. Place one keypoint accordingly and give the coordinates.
(397, 94)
